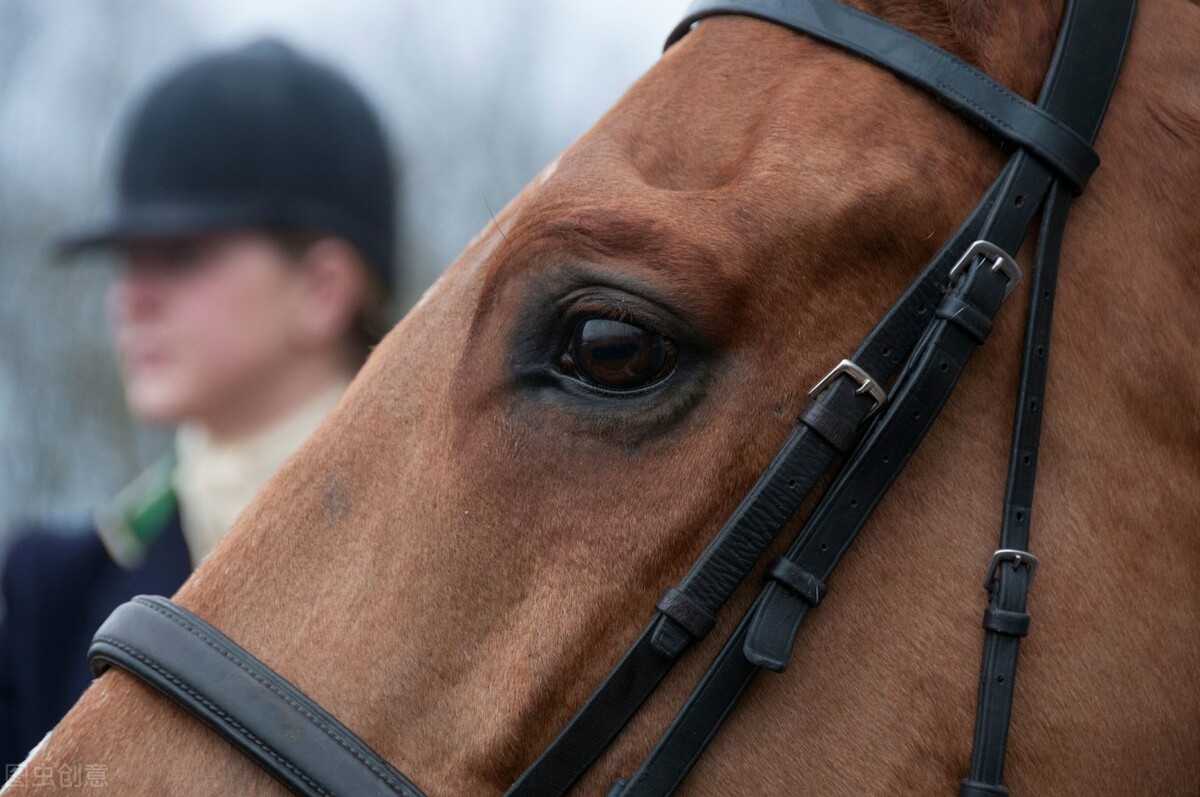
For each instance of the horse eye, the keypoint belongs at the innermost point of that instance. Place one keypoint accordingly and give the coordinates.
(617, 355)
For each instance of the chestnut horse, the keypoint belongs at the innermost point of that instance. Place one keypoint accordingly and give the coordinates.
(457, 557)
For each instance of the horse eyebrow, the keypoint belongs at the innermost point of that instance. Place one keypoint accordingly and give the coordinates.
(612, 233)
(604, 231)
(625, 248)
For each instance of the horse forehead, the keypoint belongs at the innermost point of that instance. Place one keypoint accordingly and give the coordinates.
(695, 248)
(595, 201)
(703, 189)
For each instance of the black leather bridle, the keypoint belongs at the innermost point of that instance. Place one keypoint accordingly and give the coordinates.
(917, 350)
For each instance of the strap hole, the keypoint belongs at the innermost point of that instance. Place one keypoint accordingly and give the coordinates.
(1041, 351)
(853, 502)
(1020, 515)
(999, 679)
(887, 352)
(886, 459)
(922, 310)
(1020, 200)
(1045, 294)
(945, 367)
(792, 483)
(1033, 404)
(916, 415)
(1027, 459)
(824, 546)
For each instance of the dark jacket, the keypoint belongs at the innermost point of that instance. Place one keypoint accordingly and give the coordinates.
(59, 584)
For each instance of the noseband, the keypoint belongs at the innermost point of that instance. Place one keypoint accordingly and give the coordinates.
(869, 413)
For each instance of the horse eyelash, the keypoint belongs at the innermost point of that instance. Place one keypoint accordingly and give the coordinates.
(603, 307)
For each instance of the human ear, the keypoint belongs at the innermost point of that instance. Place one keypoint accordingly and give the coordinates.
(333, 278)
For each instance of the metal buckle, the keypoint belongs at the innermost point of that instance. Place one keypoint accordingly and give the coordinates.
(865, 384)
(1001, 261)
(1018, 558)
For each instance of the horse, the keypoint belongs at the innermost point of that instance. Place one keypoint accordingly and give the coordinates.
(462, 550)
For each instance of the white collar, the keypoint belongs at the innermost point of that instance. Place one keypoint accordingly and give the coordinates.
(215, 481)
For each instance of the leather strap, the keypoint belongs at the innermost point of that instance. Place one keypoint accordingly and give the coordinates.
(685, 613)
(767, 632)
(1005, 619)
(915, 405)
(965, 89)
(775, 496)
(800, 582)
(765, 636)
(246, 702)
(697, 722)
(787, 480)
(743, 539)
(1074, 70)
(971, 789)
(836, 430)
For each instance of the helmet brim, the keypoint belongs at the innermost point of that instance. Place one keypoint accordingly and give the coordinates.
(174, 219)
(157, 221)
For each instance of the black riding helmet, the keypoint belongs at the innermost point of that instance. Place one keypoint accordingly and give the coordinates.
(260, 136)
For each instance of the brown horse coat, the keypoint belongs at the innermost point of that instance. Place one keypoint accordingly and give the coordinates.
(462, 550)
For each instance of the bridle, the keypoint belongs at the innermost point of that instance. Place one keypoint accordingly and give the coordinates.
(869, 413)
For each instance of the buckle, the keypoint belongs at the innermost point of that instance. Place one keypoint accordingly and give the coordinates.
(1001, 262)
(1018, 558)
(865, 384)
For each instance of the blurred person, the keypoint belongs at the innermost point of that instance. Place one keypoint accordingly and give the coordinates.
(255, 216)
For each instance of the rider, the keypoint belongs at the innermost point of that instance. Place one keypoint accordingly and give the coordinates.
(255, 215)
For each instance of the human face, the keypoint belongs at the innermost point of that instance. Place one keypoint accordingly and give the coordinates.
(203, 325)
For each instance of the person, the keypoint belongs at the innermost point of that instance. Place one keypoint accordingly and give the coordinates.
(255, 215)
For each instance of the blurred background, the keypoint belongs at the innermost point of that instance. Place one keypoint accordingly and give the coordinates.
(477, 95)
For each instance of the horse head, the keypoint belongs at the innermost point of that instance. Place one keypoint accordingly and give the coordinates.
(557, 428)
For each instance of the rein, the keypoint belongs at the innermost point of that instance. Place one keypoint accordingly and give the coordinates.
(870, 412)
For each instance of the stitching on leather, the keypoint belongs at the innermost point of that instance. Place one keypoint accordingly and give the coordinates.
(215, 709)
(1027, 142)
(233, 658)
(1020, 102)
(305, 712)
(1036, 111)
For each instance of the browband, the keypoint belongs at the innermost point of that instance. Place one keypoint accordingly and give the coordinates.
(964, 88)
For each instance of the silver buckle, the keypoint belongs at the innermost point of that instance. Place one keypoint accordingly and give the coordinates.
(1018, 558)
(865, 384)
(1001, 261)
